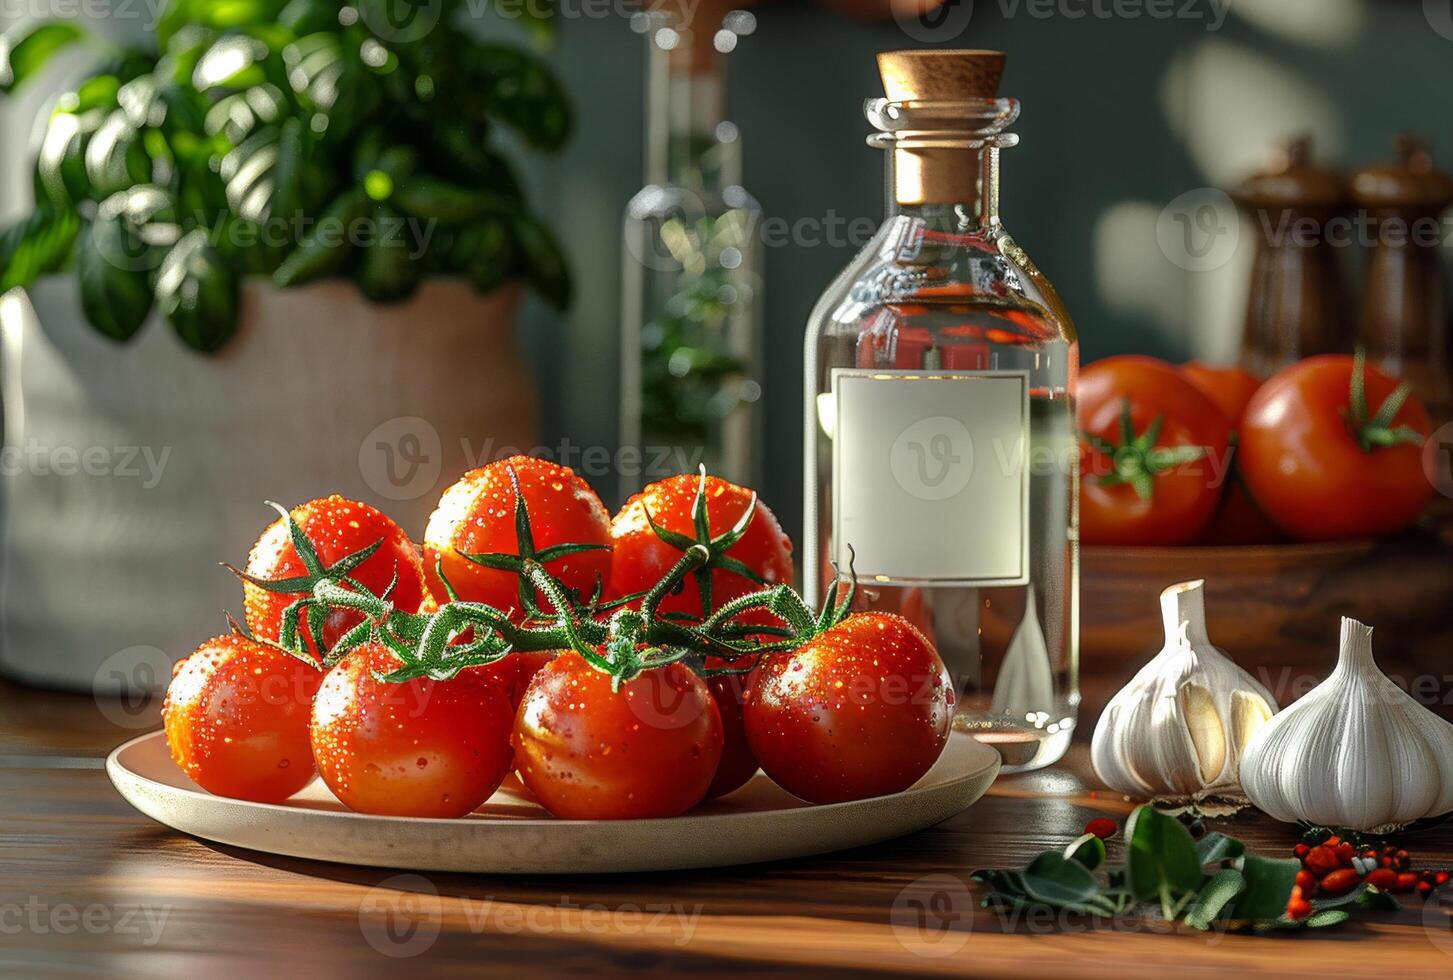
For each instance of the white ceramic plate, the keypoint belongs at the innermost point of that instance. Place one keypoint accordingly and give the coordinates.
(513, 834)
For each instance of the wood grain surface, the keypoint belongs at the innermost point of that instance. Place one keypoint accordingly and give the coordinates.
(88, 887)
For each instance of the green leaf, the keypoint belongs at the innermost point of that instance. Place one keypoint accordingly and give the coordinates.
(36, 245)
(1088, 850)
(429, 197)
(197, 291)
(521, 90)
(1269, 883)
(1161, 856)
(26, 50)
(484, 252)
(113, 268)
(544, 264)
(1213, 898)
(387, 270)
(328, 243)
(1053, 879)
(115, 156)
(1214, 848)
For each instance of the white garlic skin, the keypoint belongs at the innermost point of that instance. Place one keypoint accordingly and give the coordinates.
(1179, 728)
(1355, 753)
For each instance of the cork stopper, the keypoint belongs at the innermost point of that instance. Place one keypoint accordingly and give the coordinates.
(938, 75)
(938, 175)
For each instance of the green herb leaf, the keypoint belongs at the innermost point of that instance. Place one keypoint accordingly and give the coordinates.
(1055, 880)
(114, 271)
(26, 50)
(1213, 898)
(39, 244)
(197, 291)
(1214, 848)
(1088, 850)
(1269, 883)
(1161, 856)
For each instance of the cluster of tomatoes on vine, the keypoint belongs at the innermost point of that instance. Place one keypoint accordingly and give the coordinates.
(625, 667)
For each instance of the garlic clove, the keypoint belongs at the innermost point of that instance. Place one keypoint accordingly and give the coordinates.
(1356, 752)
(1178, 729)
(1026, 680)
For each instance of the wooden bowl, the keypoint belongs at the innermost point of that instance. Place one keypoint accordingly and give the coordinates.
(1276, 610)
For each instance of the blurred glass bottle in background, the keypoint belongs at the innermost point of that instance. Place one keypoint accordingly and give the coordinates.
(940, 452)
(691, 287)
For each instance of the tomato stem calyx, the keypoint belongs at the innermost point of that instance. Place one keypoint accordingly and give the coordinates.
(628, 642)
(1137, 460)
(1374, 432)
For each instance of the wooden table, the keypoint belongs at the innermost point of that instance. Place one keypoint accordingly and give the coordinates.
(88, 887)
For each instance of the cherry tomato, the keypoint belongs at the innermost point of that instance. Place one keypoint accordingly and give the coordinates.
(1230, 388)
(738, 764)
(1159, 483)
(337, 527)
(586, 752)
(477, 516)
(1323, 470)
(422, 748)
(861, 710)
(236, 718)
(642, 558)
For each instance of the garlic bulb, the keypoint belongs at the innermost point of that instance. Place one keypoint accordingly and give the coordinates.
(1178, 729)
(1355, 753)
(1026, 679)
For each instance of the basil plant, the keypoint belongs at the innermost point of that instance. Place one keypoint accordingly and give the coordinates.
(295, 140)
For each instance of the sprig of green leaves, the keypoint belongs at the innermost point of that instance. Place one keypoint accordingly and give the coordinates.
(1211, 883)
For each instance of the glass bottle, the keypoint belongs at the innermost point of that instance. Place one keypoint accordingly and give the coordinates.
(940, 450)
(691, 290)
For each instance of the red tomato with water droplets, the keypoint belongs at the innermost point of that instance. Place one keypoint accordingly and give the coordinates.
(738, 764)
(642, 559)
(422, 748)
(586, 752)
(337, 528)
(477, 516)
(862, 710)
(236, 719)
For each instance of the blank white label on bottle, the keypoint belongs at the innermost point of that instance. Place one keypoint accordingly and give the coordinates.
(930, 476)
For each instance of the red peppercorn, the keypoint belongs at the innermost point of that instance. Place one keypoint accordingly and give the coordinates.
(1300, 851)
(1322, 859)
(1425, 888)
(1339, 882)
(1297, 906)
(1403, 861)
(1102, 827)
(1406, 882)
(1441, 878)
(1384, 879)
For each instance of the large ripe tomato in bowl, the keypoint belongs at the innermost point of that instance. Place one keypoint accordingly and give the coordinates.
(1155, 451)
(1327, 462)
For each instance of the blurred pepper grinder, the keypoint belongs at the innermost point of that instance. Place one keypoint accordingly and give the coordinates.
(1298, 301)
(1404, 323)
